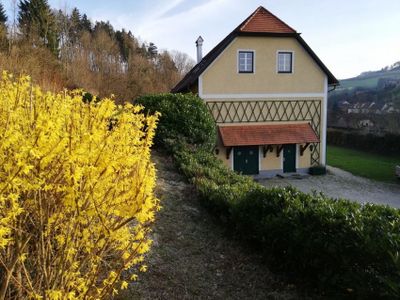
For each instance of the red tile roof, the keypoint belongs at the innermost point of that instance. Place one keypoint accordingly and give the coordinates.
(263, 21)
(247, 135)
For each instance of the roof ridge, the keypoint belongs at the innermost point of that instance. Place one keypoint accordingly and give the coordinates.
(262, 11)
(278, 18)
(250, 17)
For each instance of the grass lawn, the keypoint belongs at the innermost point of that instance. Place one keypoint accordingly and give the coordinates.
(359, 163)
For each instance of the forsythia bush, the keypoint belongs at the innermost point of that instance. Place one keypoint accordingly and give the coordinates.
(76, 193)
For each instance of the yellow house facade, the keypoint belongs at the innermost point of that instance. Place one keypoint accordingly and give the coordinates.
(267, 91)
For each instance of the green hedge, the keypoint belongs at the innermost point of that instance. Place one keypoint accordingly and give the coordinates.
(338, 245)
(184, 117)
(388, 144)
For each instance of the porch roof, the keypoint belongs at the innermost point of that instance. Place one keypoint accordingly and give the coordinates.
(247, 135)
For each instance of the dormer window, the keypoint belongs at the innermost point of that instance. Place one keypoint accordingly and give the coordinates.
(285, 62)
(246, 61)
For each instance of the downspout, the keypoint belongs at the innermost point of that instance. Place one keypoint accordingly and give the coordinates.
(334, 88)
(325, 113)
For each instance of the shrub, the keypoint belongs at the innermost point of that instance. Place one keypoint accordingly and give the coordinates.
(387, 144)
(336, 244)
(184, 117)
(317, 170)
(76, 196)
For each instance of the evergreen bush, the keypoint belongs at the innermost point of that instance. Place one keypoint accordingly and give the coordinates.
(388, 144)
(338, 245)
(184, 117)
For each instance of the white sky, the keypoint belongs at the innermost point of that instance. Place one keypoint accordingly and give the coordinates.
(350, 36)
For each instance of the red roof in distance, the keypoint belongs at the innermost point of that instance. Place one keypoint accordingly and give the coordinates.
(252, 135)
(263, 21)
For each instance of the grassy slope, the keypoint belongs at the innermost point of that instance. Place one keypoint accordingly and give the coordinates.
(369, 81)
(372, 166)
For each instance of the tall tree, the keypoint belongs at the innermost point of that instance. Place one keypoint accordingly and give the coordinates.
(75, 25)
(37, 22)
(127, 44)
(3, 28)
(86, 24)
(167, 71)
(152, 50)
(105, 27)
(3, 15)
(183, 62)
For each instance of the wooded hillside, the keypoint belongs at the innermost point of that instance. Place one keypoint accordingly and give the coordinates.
(65, 49)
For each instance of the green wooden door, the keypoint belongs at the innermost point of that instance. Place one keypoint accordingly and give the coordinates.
(245, 160)
(289, 158)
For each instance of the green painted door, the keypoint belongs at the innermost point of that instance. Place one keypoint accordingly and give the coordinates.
(245, 160)
(289, 158)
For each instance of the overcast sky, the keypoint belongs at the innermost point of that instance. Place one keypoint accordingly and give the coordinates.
(350, 36)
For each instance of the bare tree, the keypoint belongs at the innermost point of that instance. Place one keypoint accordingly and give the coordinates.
(183, 62)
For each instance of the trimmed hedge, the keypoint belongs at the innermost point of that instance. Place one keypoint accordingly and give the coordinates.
(338, 245)
(389, 144)
(184, 117)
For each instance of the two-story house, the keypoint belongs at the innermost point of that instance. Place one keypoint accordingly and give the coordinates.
(267, 91)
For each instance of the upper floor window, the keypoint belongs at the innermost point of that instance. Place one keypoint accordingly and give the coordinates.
(246, 62)
(285, 62)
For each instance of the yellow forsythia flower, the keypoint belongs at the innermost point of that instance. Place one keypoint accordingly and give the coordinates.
(76, 191)
(143, 268)
(124, 285)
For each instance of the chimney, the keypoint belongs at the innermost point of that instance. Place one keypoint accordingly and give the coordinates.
(199, 46)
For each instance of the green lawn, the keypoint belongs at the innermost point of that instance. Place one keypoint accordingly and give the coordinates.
(359, 163)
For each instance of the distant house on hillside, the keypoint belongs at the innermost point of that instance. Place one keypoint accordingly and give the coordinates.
(372, 108)
(343, 106)
(389, 108)
(267, 91)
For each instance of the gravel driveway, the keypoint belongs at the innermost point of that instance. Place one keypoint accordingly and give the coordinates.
(341, 184)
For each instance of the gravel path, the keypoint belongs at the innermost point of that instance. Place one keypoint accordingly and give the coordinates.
(341, 184)
(192, 257)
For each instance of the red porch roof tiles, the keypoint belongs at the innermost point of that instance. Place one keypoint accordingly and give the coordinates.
(251, 135)
(263, 21)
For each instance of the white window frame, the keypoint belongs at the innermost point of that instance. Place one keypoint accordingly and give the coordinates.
(238, 61)
(277, 61)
